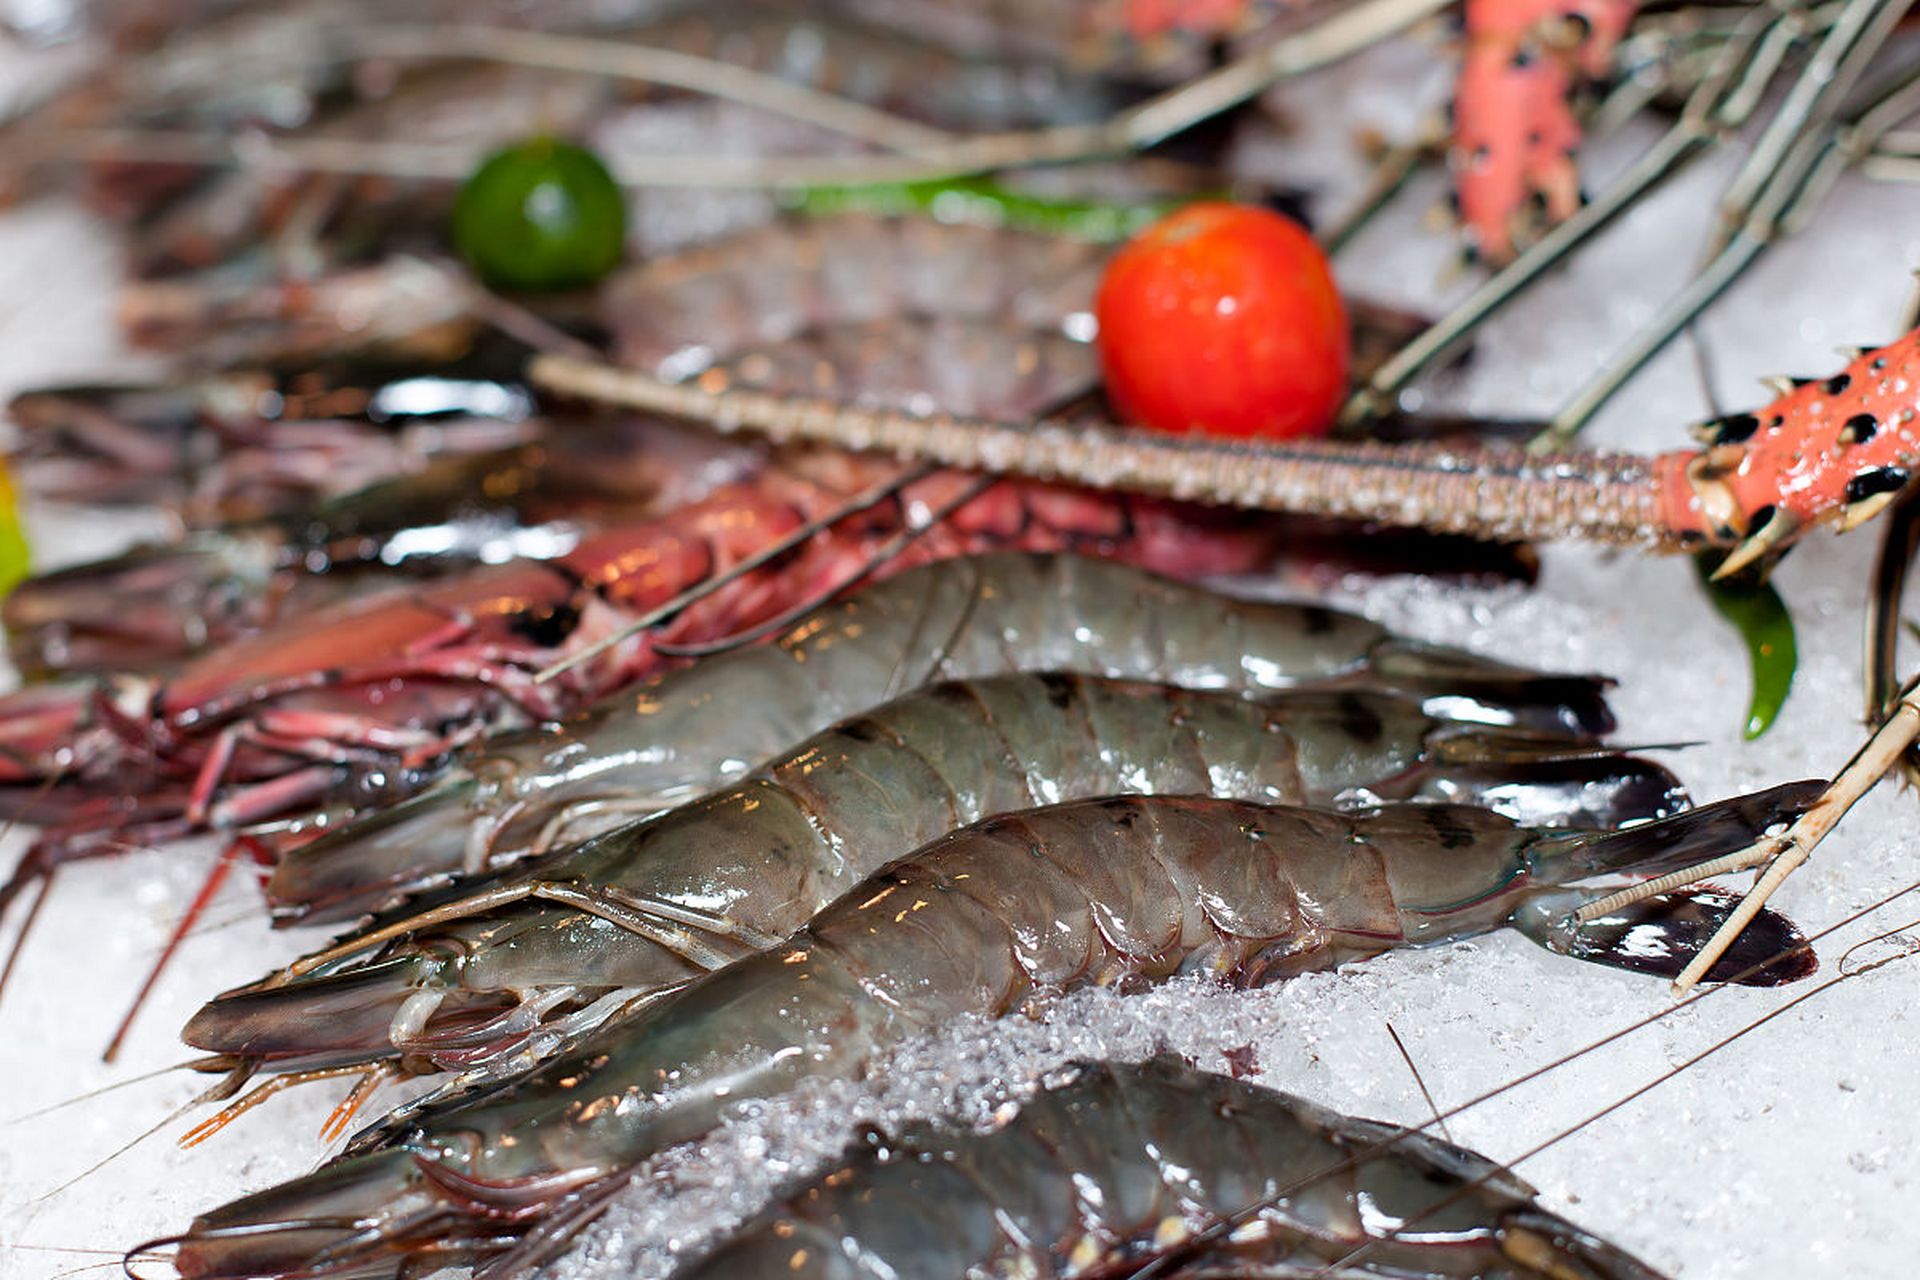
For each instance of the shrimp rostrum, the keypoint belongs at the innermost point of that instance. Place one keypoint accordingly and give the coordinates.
(997, 918)
(1118, 1165)
(960, 618)
(521, 961)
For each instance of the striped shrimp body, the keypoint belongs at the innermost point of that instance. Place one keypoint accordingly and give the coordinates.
(1514, 128)
(1116, 1165)
(481, 976)
(997, 918)
(971, 617)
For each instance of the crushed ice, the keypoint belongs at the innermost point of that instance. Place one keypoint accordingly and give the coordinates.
(1801, 1141)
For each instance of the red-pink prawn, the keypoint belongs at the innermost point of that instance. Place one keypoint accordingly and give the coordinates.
(1514, 130)
(365, 695)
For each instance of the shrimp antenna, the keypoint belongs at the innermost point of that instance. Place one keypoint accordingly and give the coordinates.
(1332, 1269)
(41, 892)
(178, 1113)
(1234, 1221)
(33, 865)
(192, 1064)
(146, 1251)
(191, 916)
(116, 1258)
(1419, 1080)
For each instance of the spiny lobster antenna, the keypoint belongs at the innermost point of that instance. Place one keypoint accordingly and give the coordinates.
(1498, 495)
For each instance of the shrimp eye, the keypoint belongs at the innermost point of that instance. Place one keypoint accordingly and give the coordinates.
(548, 628)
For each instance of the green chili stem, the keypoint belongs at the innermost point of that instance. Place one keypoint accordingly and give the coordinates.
(986, 202)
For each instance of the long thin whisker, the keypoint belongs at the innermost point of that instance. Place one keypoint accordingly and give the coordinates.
(41, 893)
(116, 1254)
(1232, 1221)
(168, 1119)
(215, 878)
(192, 1064)
(1882, 936)
(1419, 1080)
(100, 1266)
(1624, 1100)
(11, 885)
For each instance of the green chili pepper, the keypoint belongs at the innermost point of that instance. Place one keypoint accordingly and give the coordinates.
(985, 202)
(541, 214)
(1756, 611)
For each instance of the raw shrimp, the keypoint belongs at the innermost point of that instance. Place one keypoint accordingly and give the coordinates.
(987, 615)
(255, 443)
(282, 721)
(474, 641)
(990, 920)
(468, 982)
(150, 608)
(1115, 1165)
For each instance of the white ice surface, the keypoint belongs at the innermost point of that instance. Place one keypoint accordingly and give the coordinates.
(1793, 1152)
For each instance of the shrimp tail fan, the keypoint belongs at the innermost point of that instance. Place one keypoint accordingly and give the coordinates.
(1544, 779)
(1660, 935)
(1469, 687)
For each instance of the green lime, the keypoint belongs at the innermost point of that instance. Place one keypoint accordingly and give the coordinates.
(542, 214)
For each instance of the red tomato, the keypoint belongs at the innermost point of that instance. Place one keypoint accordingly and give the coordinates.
(1224, 319)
